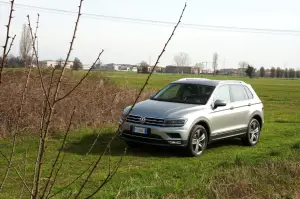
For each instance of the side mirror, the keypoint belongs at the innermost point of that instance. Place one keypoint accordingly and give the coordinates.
(151, 96)
(219, 103)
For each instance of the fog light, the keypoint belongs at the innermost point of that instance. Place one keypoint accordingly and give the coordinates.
(174, 142)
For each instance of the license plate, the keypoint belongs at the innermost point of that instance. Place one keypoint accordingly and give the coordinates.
(140, 130)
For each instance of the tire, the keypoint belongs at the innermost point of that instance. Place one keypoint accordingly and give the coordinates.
(197, 141)
(132, 144)
(253, 133)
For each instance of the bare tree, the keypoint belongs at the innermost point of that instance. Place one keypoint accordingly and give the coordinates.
(98, 65)
(215, 62)
(200, 66)
(143, 67)
(243, 65)
(4, 55)
(77, 65)
(182, 59)
(25, 45)
(43, 182)
(59, 63)
(262, 72)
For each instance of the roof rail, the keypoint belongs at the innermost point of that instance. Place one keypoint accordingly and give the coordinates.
(231, 81)
(184, 79)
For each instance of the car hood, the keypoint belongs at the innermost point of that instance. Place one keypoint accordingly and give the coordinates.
(161, 109)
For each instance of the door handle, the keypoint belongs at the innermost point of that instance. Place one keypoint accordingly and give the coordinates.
(231, 108)
(249, 104)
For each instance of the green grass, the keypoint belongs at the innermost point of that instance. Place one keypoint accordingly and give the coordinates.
(226, 170)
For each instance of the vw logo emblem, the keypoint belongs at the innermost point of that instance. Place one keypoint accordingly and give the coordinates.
(142, 120)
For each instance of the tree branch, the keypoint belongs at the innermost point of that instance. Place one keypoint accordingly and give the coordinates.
(34, 37)
(11, 44)
(25, 170)
(52, 108)
(17, 130)
(142, 89)
(109, 176)
(66, 95)
(7, 38)
(69, 52)
(58, 154)
(18, 173)
(73, 181)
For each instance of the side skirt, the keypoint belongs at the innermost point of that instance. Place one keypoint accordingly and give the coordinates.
(230, 134)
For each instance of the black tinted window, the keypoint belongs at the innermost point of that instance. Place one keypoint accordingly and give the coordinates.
(250, 95)
(185, 93)
(223, 93)
(238, 93)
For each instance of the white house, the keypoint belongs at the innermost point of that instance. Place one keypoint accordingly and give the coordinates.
(110, 67)
(53, 63)
(134, 69)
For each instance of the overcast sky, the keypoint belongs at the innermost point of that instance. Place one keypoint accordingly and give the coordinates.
(128, 42)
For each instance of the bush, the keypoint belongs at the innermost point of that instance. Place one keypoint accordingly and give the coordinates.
(98, 101)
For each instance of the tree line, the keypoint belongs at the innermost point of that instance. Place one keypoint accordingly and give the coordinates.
(278, 72)
(25, 58)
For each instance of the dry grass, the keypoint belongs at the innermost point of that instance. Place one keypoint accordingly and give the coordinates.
(269, 180)
(98, 101)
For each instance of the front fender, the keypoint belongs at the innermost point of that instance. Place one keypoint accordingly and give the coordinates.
(201, 120)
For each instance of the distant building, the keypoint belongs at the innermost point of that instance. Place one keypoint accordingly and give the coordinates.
(228, 71)
(181, 69)
(53, 63)
(241, 71)
(118, 67)
(134, 69)
(109, 67)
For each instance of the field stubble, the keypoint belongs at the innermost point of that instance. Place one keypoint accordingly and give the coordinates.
(226, 170)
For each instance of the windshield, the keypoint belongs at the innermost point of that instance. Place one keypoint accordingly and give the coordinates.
(185, 93)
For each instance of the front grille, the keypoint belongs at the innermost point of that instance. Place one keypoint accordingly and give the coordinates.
(148, 120)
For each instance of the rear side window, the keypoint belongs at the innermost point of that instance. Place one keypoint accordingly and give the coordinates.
(222, 93)
(249, 93)
(238, 93)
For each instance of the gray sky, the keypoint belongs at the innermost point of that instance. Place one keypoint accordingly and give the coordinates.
(128, 42)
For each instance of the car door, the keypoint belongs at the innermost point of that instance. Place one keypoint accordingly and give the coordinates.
(241, 106)
(221, 120)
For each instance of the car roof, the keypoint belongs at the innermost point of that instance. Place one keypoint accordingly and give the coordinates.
(208, 82)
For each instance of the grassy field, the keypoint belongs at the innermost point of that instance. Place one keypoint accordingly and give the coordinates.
(226, 170)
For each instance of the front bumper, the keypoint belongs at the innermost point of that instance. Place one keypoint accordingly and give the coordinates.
(159, 136)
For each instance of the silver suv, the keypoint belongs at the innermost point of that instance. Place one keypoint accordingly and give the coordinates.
(193, 112)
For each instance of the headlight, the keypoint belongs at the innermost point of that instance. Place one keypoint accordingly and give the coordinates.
(122, 117)
(174, 122)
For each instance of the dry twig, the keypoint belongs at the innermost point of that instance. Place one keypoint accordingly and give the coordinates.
(18, 173)
(142, 89)
(25, 170)
(83, 78)
(58, 155)
(11, 44)
(7, 38)
(69, 52)
(35, 52)
(17, 130)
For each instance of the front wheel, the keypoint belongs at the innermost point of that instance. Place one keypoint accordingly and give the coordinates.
(197, 141)
(253, 133)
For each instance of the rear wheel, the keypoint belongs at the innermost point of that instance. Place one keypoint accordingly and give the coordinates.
(253, 133)
(197, 141)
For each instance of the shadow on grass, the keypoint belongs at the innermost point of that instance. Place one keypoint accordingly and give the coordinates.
(82, 146)
(287, 121)
(225, 142)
